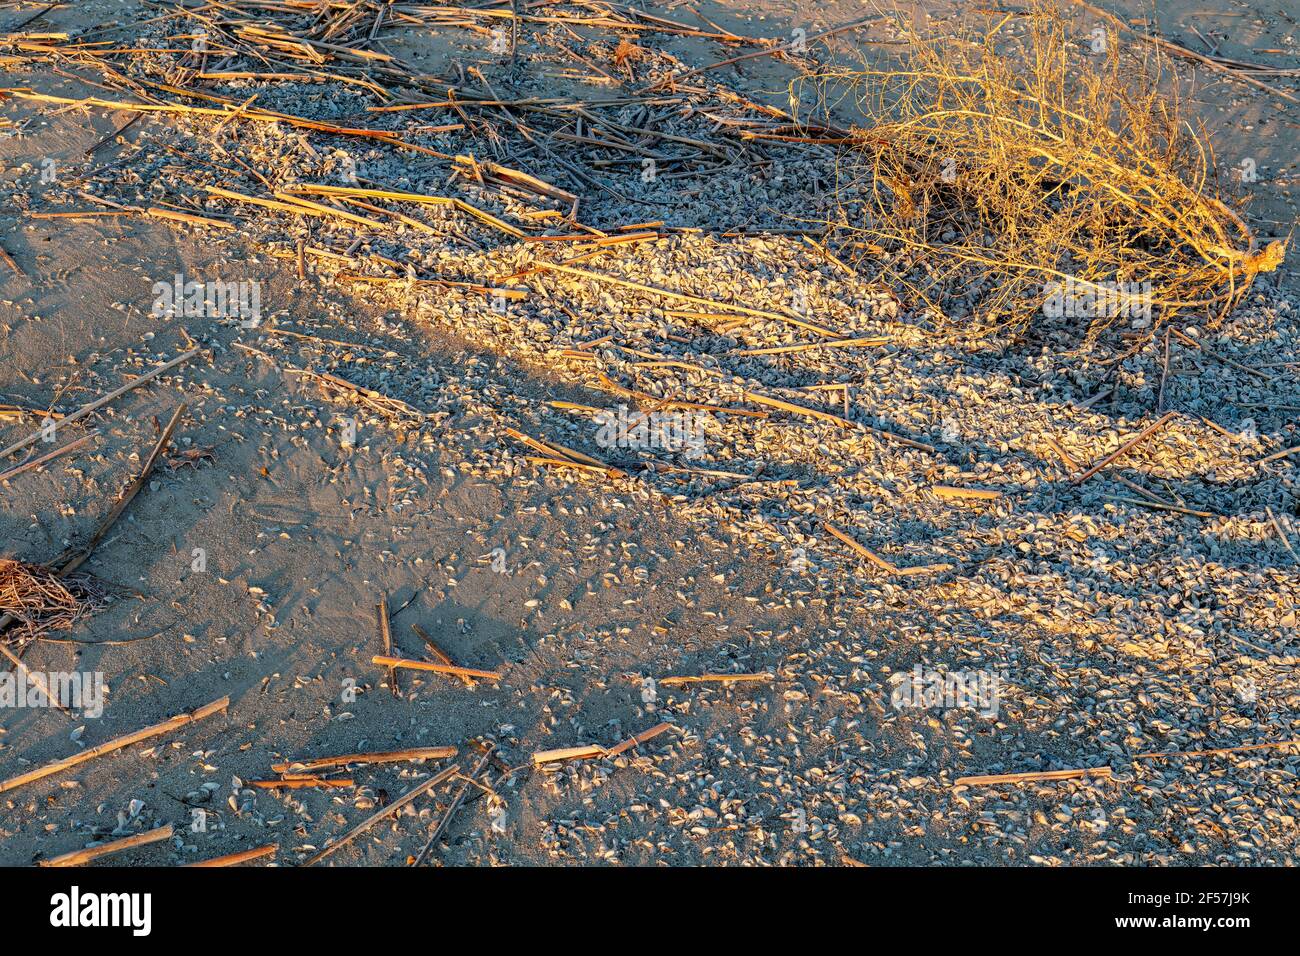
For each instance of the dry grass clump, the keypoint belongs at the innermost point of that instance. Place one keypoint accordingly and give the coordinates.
(1040, 168)
(40, 601)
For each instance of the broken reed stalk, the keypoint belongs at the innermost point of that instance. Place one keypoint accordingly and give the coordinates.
(234, 859)
(1218, 751)
(575, 465)
(437, 652)
(387, 756)
(1126, 447)
(1219, 356)
(129, 494)
(300, 208)
(1072, 465)
(391, 408)
(440, 777)
(976, 494)
(452, 808)
(686, 297)
(665, 403)
(1232, 68)
(883, 564)
(386, 639)
(108, 747)
(1105, 773)
(1037, 174)
(595, 750)
(1282, 535)
(189, 218)
(98, 403)
(48, 457)
(399, 196)
(258, 116)
(79, 857)
(391, 662)
(1037, 776)
(807, 346)
(554, 448)
(671, 80)
(303, 783)
(835, 420)
(715, 679)
(1160, 506)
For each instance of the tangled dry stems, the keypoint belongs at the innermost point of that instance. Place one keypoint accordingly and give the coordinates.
(41, 601)
(1016, 165)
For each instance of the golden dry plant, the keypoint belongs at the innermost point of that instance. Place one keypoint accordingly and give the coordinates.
(1029, 166)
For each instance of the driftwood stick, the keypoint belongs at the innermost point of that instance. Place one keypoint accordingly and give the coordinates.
(568, 753)
(108, 747)
(78, 857)
(637, 739)
(1285, 452)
